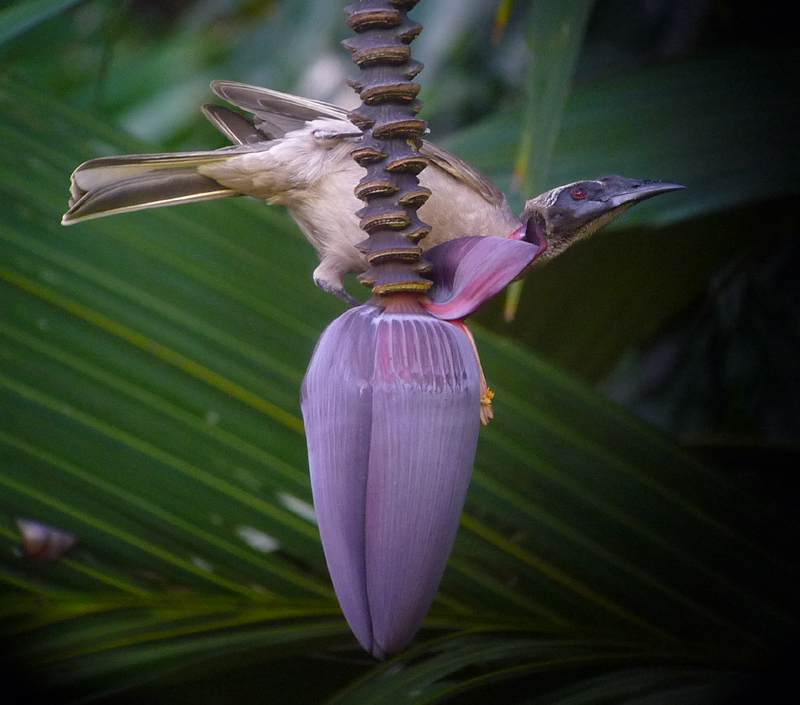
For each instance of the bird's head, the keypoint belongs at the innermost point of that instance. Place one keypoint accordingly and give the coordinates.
(573, 212)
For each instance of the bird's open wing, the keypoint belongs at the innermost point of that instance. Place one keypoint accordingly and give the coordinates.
(278, 113)
(238, 128)
(462, 171)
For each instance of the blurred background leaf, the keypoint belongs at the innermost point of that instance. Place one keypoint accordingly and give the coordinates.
(21, 16)
(554, 37)
(150, 366)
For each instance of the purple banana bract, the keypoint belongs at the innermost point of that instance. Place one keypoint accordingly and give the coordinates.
(392, 409)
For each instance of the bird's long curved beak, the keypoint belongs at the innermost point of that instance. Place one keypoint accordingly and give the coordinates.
(640, 190)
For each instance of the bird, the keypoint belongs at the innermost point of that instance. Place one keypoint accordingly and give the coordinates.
(296, 152)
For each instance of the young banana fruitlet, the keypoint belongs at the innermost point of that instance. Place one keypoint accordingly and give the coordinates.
(296, 152)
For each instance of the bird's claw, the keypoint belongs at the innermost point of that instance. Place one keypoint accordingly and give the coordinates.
(338, 291)
(344, 296)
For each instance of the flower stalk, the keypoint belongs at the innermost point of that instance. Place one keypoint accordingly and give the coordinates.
(390, 148)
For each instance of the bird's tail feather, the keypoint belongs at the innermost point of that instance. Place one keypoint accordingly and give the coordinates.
(130, 183)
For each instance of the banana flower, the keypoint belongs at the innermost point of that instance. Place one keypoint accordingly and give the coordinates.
(392, 403)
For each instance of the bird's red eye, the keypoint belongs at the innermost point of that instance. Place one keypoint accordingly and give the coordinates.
(579, 192)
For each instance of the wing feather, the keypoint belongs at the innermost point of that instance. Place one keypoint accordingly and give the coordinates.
(466, 174)
(278, 113)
